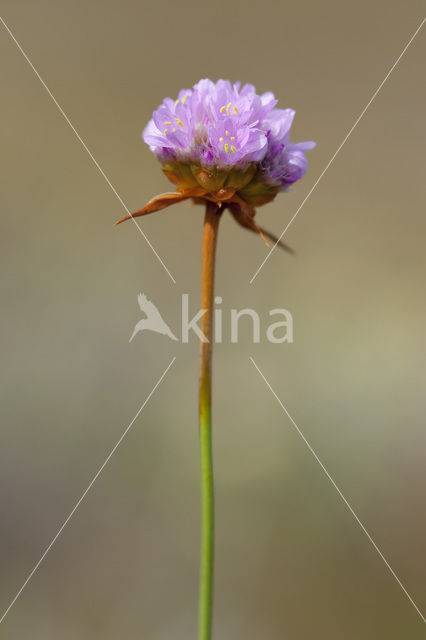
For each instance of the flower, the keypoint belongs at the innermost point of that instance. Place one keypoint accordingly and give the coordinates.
(225, 143)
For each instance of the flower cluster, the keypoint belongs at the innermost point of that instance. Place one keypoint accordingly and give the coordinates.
(224, 144)
(222, 129)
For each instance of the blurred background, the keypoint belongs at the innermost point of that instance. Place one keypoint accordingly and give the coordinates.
(292, 563)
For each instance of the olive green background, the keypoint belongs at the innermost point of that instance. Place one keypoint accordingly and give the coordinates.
(292, 563)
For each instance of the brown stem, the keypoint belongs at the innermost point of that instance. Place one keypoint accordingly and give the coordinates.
(211, 223)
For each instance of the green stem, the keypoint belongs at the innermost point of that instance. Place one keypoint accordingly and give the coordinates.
(211, 223)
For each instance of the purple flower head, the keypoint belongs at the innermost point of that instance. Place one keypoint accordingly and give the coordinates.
(224, 127)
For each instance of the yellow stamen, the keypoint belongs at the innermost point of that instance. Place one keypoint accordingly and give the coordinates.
(235, 110)
(183, 99)
(220, 139)
(176, 101)
(227, 133)
(180, 123)
(167, 123)
(165, 131)
(222, 109)
(233, 149)
(232, 137)
(226, 147)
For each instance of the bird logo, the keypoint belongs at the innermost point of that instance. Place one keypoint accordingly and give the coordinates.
(153, 320)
